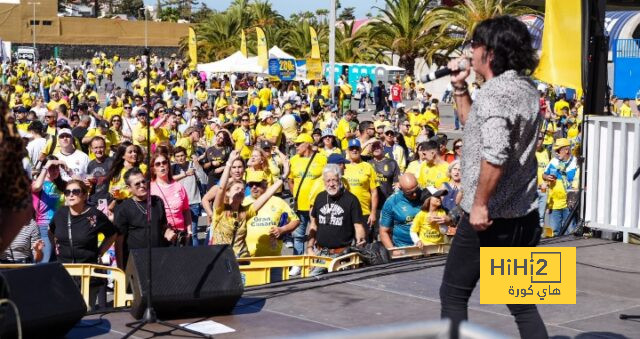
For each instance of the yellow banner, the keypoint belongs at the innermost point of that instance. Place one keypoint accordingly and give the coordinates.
(527, 275)
(263, 57)
(315, 48)
(243, 44)
(193, 49)
(314, 69)
(561, 58)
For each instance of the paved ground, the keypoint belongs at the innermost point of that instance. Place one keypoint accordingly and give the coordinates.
(407, 291)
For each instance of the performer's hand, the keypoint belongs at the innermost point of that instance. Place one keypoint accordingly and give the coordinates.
(458, 77)
(479, 217)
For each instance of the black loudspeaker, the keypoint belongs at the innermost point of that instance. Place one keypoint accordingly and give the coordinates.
(48, 300)
(186, 281)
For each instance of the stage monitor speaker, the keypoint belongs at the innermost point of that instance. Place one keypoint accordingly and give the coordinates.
(186, 281)
(49, 301)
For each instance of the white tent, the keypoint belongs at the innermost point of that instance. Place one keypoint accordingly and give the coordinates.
(237, 63)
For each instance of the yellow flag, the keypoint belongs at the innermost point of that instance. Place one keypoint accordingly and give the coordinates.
(243, 44)
(315, 49)
(561, 58)
(263, 57)
(193, 49)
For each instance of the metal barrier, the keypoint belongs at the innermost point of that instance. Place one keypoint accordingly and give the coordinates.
(87, 271)
(611, 198)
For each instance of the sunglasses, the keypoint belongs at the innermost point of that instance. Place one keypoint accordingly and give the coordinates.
(49, 117)
(244, 119)
(457, 146)
(352, 149)
(140, 183)
(254, 184)
(160, 163)
(127, 107)
(64, 136)
(75, 191)
(389, 133)
(116, 120)
(411, 192)
(475, 44)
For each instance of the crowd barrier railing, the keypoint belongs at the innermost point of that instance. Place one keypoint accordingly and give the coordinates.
(612, 155)
(87, 271)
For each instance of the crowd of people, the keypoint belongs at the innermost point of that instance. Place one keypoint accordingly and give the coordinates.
(267, 164)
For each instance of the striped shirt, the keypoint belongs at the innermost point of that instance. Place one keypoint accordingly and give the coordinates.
(20, 248)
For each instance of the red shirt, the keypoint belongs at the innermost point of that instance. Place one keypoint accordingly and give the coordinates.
(396, 93)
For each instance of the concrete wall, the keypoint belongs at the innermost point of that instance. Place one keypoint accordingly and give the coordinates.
(16, 26)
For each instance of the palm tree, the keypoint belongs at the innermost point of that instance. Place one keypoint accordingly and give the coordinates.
(356, 46)
(401, 30)
(297, 39)
(218, 37)
(454, 25)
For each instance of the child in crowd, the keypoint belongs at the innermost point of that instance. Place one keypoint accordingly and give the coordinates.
(431, 224)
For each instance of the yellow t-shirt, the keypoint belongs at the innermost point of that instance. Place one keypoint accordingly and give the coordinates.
(53, 105)
(297, 167)
(433, 175)
(341, 132)
(241, 139)
(362, 179)
(122, 191)
(326, 91)
(414, 168)
(548, 128)
(543, 160)
(265, 96)
(557, 199)
(187, 144)
(259, 242)
(432, 120)
(138, 131)
(625, 111)
(557, 107)
(269, 131)
(110, 111)
(429, 232)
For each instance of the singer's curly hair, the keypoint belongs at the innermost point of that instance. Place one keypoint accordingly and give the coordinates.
(13, 178)
(510, 42)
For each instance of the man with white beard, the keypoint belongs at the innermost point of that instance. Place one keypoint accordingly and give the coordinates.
(336, 219)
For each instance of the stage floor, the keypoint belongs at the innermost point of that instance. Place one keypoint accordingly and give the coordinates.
(608, 283)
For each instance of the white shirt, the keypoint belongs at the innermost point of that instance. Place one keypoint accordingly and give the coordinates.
(77, 163)
(34, 149)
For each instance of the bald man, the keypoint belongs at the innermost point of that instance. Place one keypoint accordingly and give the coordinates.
(398, 212)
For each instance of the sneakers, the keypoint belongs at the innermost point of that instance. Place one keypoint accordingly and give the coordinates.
(288, 244)
(295, 271)
(316, 271)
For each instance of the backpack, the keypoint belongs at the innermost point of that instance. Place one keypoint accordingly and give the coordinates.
(373, 253)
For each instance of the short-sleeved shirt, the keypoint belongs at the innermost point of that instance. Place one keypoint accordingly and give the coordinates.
(429, 232)
(131, 221)
(502, 130)
(274, 213)
(362, 179)
(335, 218)
(433, 175)
(46, 202)
(297, 168)
(387, 173)
(99, 170)
(175, 200)
(244, 141)
(398, 213)
(84, 234)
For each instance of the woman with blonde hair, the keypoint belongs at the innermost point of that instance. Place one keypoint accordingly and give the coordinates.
(230, 215)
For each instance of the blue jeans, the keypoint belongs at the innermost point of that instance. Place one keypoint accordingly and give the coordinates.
(196, 210)
(48, 248)
(542, 206)
(557, 218)
(300, 233)
(456, 120)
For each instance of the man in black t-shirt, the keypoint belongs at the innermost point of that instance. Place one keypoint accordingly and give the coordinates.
(387, 172)
(336, 217)
(131, 219)
(97, 173)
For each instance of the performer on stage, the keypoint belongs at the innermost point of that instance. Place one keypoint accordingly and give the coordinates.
(499, 164)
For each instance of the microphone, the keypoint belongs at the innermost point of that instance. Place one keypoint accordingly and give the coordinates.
(463, 65)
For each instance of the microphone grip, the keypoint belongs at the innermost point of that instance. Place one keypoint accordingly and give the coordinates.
(436, 75)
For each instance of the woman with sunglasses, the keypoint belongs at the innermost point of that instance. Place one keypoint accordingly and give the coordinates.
(75, 228)
(46, 192)
(116, 127)
(230, 215)
(173, 195)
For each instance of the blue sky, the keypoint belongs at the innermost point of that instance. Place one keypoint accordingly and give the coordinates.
(287, 7)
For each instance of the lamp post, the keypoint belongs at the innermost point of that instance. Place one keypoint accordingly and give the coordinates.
(332, 48)
(33, 22)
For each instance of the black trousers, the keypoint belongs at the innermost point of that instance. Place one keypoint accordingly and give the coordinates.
(462, 270)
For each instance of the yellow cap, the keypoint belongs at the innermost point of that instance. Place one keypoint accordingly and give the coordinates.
(562, 142)
(256, 176)
(304, 138)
